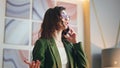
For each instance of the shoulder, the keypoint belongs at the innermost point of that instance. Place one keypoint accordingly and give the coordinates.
(43, 41)
(40, 42)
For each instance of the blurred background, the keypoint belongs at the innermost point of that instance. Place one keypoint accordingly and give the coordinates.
(95, 21)
(20, 22)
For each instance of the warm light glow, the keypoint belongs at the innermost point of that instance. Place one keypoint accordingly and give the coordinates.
(115, 62)
(84, 0)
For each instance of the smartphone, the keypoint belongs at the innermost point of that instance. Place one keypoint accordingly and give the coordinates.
(65, 31)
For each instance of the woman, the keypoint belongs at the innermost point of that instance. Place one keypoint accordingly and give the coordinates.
(58, 46)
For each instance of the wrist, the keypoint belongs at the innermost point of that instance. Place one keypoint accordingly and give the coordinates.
(75, 41)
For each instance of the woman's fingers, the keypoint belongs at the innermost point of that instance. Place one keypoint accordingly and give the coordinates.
(71, 36)
(37, 64)
(27, 62)
(33, 64)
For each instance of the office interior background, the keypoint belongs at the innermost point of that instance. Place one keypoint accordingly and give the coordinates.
(97, 26)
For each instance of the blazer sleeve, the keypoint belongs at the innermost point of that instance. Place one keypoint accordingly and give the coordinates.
(80, 56)
(39, 52)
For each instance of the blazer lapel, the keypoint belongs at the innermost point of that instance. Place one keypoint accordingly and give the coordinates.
(68, 51)
(55, 52)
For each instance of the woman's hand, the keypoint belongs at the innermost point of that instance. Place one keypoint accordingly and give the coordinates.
(71, 36)
(33, 64)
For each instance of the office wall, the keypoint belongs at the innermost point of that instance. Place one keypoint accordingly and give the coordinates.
(108, 12)
(20, 22)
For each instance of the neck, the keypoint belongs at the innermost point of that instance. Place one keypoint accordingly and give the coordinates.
(57, 35)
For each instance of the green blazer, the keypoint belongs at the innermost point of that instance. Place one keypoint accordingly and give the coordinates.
(46, 51)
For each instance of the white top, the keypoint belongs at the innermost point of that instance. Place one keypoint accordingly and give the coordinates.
(63, 56)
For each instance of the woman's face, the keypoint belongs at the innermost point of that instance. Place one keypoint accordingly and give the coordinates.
(65, 18)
